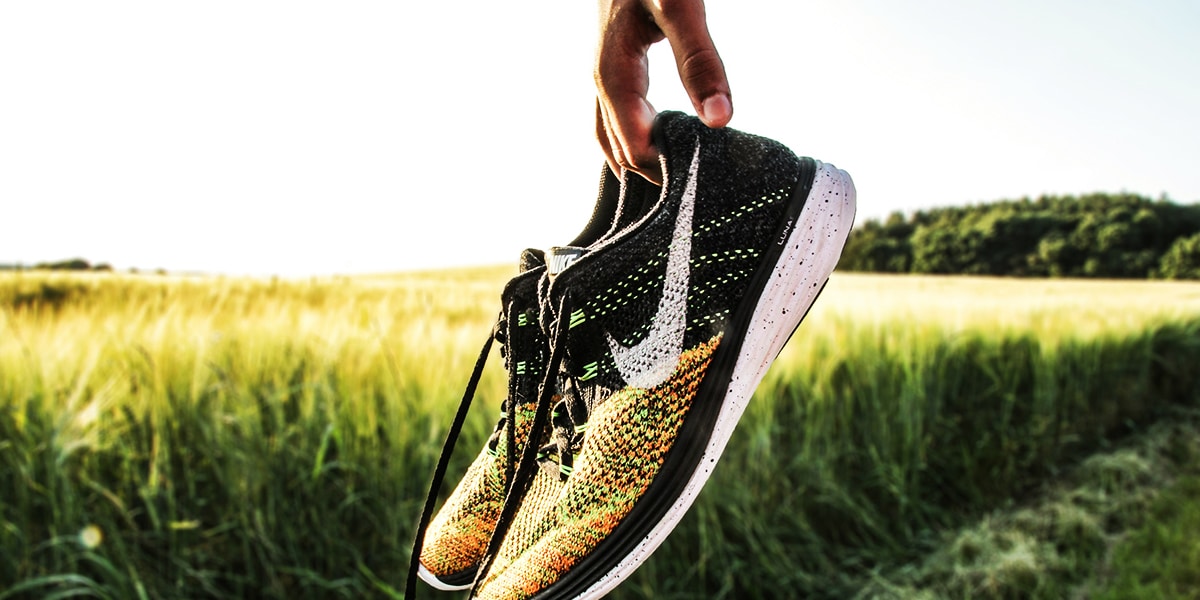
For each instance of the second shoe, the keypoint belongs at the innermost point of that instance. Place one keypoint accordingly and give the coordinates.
(451, 547)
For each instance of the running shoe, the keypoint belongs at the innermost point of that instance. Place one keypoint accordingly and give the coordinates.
(659, 336)
(453, 544)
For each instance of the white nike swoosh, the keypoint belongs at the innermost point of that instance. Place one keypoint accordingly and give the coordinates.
(652, 360)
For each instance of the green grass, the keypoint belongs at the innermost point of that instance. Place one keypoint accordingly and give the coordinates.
(209, 438)
(1054, 542)
(229, 438)
(1160, 560)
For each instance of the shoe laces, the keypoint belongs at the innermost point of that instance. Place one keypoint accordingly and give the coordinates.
(567, 419)
(568, 422)
(500, 333)
(555, 322)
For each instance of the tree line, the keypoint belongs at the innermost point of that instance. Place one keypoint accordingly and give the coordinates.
(71, 264)
(1095, 235)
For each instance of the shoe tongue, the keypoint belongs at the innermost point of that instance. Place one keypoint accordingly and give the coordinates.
(532, 258)
(561, 257)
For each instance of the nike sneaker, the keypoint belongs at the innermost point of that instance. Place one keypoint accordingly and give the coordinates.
(657, 338)
(451, 546)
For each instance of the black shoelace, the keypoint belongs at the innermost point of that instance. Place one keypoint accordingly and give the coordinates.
(556, 328)
(568, 424)
(439, 473)
(500, 333)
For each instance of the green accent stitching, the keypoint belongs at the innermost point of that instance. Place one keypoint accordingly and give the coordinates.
(577, 318)
(589, 370)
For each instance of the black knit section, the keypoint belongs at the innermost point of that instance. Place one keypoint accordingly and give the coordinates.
(744, 182)
(638, 196)
(604, 212)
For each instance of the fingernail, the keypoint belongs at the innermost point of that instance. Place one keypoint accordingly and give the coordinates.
(716, 110)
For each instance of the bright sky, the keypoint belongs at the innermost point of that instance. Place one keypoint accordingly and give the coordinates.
(298, 138)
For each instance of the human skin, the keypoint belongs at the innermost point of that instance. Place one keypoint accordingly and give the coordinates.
(624, 117)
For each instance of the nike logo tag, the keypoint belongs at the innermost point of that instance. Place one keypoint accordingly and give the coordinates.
(561, 257)
(652, 360)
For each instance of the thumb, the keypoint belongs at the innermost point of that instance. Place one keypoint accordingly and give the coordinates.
(701, 70)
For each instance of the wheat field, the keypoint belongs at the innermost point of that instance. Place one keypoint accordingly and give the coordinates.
(206, 437)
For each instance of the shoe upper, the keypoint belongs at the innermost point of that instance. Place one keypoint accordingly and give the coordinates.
(621, 291)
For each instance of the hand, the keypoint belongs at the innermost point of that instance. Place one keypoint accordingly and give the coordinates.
(624, 117)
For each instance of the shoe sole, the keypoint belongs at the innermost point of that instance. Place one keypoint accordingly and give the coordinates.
(819, 235)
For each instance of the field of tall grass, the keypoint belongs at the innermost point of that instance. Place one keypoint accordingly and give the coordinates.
(192, 437)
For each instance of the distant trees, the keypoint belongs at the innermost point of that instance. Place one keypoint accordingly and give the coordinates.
(1096, 235)
(72, 264)
(1182, 260)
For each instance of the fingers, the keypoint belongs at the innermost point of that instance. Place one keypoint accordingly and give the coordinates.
(701, 70)
(626, 140)
(606, 143)
(624, 118)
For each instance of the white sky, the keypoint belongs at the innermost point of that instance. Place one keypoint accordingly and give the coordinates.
(297, 138)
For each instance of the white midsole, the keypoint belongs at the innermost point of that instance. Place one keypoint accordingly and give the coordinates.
(818, 236)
